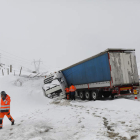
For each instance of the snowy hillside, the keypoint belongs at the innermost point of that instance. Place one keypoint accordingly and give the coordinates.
(39, 118)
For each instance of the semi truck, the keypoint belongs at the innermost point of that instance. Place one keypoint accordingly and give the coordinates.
(110, 73)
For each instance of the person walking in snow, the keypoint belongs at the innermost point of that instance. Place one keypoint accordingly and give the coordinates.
(72, 89)
(5, 108)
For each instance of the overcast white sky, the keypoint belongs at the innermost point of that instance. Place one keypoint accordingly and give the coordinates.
(63, 32)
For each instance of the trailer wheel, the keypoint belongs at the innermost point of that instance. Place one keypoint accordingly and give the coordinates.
(112, 96)
(76, 93)
(94, 95)
(82, 95)
(106, 94)
(88, 95)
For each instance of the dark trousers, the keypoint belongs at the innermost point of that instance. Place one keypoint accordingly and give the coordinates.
(73, 95)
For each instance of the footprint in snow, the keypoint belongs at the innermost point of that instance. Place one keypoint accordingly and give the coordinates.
(82, 126)
(122, 122)
(76, 133)
(10, 134)
(79, 121)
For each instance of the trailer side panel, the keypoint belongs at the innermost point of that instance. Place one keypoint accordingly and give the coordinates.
(91, 71)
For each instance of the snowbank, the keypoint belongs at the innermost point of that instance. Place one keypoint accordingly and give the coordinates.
(41, 118)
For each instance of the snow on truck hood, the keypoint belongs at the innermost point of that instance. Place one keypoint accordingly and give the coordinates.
(52, 84)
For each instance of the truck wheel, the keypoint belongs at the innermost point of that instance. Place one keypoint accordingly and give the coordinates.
(106, 94)
(94, 95)
(88, 95)
(76, 93)
(82, 95)
(99, 95)
(112, 96)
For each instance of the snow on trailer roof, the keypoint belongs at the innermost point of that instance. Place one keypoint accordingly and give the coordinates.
(118, 49)
(107, 50)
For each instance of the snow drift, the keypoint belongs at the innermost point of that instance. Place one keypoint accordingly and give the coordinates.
(39, 118)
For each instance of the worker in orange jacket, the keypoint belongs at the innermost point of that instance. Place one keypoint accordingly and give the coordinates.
(5, 108)
(67, 91)
(72, 89)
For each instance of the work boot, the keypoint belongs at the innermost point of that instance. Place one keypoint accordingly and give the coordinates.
(13, 122)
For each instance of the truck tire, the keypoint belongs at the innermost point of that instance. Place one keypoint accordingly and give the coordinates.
(99, 95)
(106, 94)
(76, 93)
(88, 95)
(82, 95)
(112, 96)
(94, 95)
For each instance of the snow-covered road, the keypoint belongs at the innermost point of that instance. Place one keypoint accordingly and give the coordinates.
(40, 118)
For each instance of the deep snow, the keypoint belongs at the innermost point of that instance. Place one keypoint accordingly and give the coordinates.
(40, 118)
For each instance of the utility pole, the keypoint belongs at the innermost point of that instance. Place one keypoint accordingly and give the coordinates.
(37, 65)
(10, 68)
(8, 71)
(2, 72)
(20, 71)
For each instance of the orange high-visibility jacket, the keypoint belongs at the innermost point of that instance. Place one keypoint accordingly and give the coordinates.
(72, 88)
(67, 90)
(5, 105)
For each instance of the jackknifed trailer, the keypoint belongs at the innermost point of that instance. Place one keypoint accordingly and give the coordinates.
(110, 73)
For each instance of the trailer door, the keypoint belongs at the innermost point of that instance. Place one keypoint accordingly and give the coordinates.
(123, 68)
